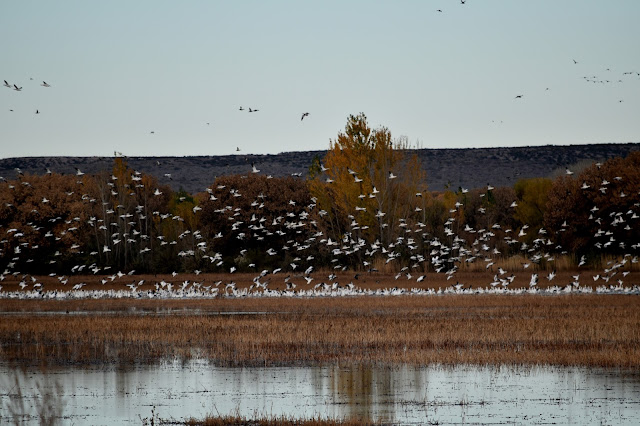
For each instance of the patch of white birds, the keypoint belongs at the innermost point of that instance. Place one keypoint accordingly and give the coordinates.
(444, 256)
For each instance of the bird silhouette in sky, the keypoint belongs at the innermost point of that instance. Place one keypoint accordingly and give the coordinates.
(306, 114)
(45, 84)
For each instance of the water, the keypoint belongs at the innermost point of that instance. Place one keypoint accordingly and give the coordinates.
(398, 395)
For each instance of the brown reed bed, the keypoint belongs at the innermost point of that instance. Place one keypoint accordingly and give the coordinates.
(271, 421)
(586, 330)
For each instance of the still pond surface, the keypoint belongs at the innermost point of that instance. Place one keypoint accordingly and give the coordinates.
(395, 395)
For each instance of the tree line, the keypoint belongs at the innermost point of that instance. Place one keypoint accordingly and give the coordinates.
(364, 205)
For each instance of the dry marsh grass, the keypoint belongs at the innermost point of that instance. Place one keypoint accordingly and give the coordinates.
(272, 421)
(587, 330)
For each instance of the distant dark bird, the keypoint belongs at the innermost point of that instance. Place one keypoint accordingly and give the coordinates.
(37, 112)
(7, 84)
(306, 114)
(518, 97)
(17, 88)
(153, 133)
(463, 1)
(238, 149)
(574, 61)
(253, 110)
(241, 109)
(45, 84)
(439, 10)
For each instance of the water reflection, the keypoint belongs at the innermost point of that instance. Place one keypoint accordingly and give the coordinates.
(399, 395)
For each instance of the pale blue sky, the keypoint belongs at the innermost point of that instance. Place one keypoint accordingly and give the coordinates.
(121, 69)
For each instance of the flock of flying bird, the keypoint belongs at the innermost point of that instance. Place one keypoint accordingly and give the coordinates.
(19, 89)
(445, 256)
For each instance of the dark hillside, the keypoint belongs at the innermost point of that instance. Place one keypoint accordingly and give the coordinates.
(469, 168)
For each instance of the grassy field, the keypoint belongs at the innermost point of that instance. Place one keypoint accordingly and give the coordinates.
(588, 330)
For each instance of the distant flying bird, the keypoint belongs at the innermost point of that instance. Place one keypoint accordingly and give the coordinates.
(306, 114)
(518, 97)
(439, 10)
(45, 84)
(241, 109)
(574, 61)
(152, 132)
(7, 84)
(37, 112)
(16, 88)
(253, 110)
(254, 169)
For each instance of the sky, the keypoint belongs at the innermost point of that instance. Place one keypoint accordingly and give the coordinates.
(120, 70)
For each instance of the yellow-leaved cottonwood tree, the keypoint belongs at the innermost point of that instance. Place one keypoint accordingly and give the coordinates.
(368, 185)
